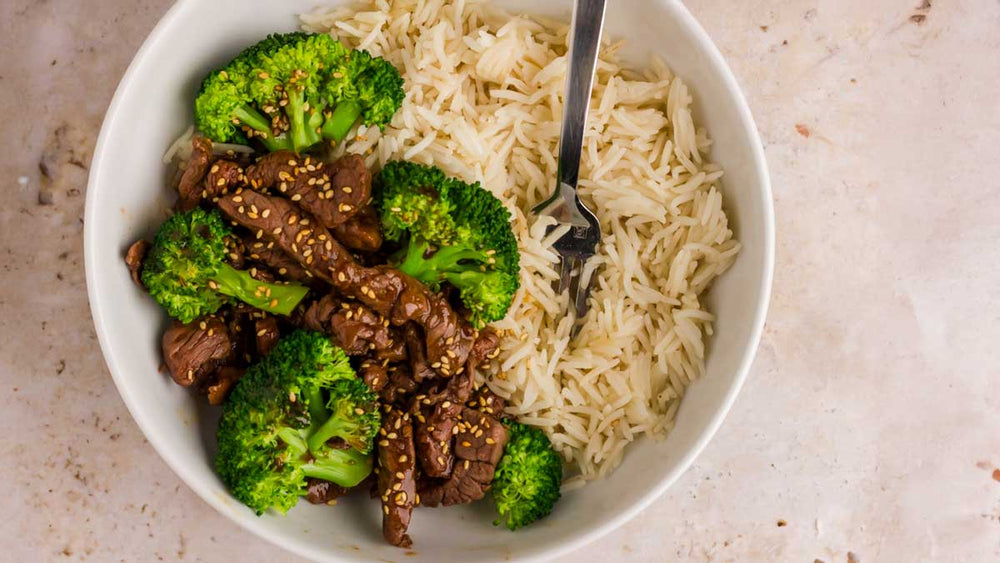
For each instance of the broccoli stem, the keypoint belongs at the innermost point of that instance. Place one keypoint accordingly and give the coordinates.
(445, 259)
(302, 135)
(252, 118)
(269, 297)
(334, 426)
(346, 468)
(317, 411)
(294, 440)
(340, 122)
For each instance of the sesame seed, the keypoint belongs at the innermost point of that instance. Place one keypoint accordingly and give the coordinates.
(491, 441)
(397, 486)
(384, 443)
(344, 207)
(273, 303)
(466, 443)
(214, 169)
(291, 396)
(392, 436)
(403, 458)
(385, 509)
(291, 162)
(466, 464)
(400, 475)
(341, 276)
(220, 182)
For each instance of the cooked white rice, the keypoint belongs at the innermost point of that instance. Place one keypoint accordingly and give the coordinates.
(483, 102)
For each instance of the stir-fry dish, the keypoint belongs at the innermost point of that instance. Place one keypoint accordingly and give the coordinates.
(339, 316)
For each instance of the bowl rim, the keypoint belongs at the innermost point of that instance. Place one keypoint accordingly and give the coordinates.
(763, 293)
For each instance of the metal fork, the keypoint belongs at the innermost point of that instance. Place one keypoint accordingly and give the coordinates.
(579, 244)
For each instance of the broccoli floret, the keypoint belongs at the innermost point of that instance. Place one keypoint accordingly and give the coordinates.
(225, 109)
(527, 479)
(291, 77)
(355, 417)
(186, 271)
(452, 232)
(364, 87)
(293, 90)
(266, 446)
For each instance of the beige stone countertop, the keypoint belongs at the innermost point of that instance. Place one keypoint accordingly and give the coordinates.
(869, 429)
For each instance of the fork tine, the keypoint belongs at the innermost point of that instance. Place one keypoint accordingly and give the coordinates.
(574, 285)
(565, 270)
(580, 292)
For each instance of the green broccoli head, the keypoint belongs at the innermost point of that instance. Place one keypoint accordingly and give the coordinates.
(291, 91)
(527, 480)
(187, 274)
(225, 109)
(454, 232)
(291, 77)
(354, 417)
(267, 423)
(362, 88)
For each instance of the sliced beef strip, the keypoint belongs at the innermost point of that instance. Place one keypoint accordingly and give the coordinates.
(225, 378)
(355, 328)
(263, 252)
(387, 291)
(434, 439)
(241, 319)
(396, 476)
(363, 232)
(399, 387)
(478, 448)
(487, 401)
(134, 257)
(319, 491)
(267, 334)
(190, 186)
(223, 176)
(333, 192)
(195, 350)
(460, 387)
(415, 349)
(375, 374)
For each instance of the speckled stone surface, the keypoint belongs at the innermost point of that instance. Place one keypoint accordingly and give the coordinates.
(869, 429)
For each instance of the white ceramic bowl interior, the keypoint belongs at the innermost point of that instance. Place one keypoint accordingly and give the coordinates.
(128, 197)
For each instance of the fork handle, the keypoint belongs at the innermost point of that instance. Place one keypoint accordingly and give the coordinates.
(588, 21)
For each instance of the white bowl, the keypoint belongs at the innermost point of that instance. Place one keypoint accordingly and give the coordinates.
(127, 198)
